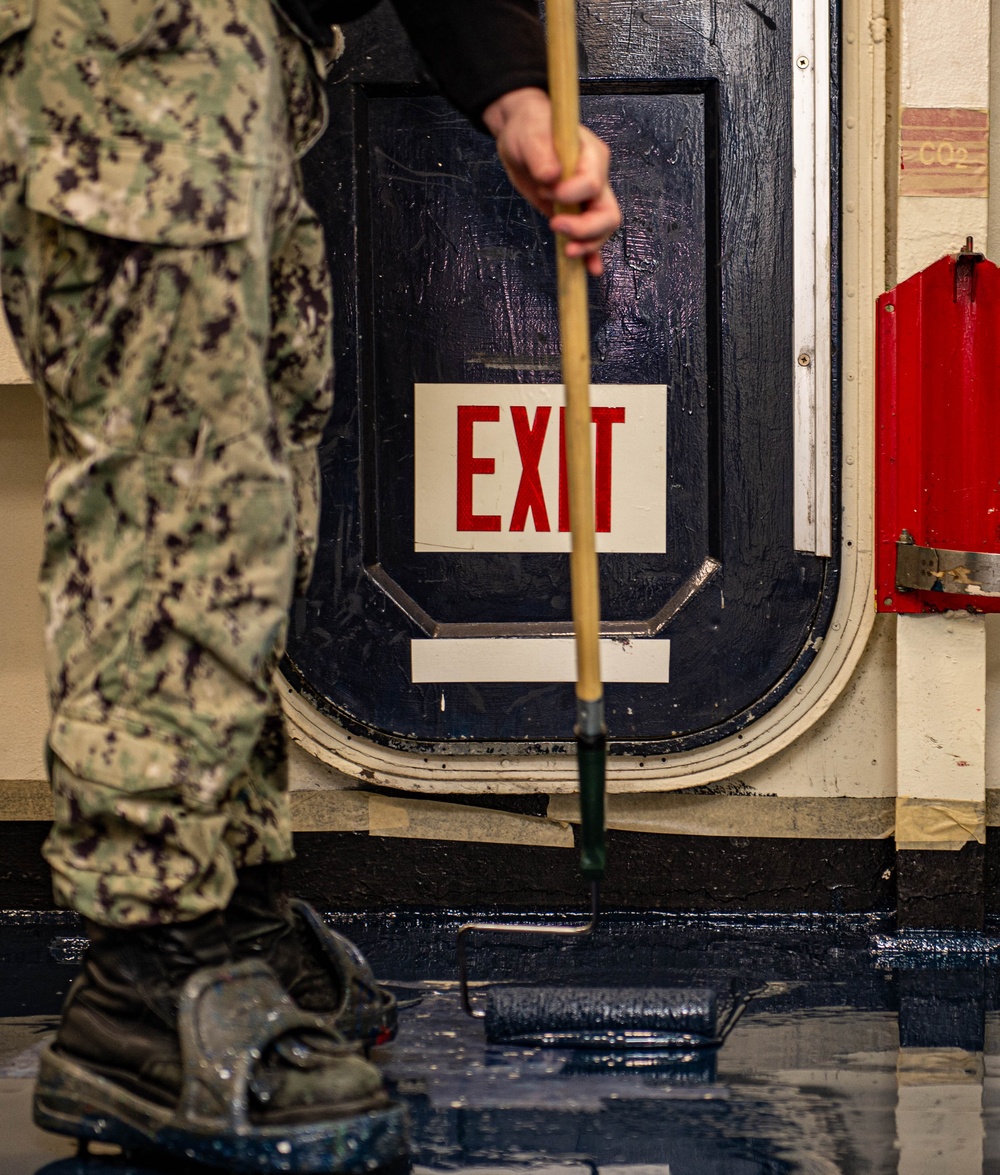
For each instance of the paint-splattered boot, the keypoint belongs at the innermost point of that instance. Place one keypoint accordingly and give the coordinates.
(167, 1044)
(321, 970)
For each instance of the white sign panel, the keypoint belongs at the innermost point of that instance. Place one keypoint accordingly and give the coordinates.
(490, 474)
(542, 659)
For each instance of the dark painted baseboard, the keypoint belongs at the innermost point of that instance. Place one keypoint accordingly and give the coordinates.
(24, 876)
(355, 871)
(646, 871)
(943, 890)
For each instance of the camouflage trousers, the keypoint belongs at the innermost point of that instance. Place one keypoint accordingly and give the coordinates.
(167, 287)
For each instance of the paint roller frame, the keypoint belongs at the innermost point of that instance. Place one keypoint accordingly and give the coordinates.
(461, 942)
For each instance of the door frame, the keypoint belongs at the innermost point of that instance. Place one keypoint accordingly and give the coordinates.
(861, 42)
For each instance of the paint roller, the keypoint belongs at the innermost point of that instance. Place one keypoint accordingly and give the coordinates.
(586, 1018)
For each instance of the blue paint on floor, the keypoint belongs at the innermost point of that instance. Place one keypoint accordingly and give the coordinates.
(867, 1052)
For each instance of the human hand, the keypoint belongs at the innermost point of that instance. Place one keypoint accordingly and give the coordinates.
(521, 123)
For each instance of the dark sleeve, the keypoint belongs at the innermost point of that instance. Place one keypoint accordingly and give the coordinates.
(477, 50)
(313, 18)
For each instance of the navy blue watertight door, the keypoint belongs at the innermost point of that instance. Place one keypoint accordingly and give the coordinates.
(439, 610)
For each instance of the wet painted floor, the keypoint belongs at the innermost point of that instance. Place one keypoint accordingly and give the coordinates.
(866, 1052)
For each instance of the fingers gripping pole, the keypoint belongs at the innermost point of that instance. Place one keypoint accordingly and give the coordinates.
(574, 331)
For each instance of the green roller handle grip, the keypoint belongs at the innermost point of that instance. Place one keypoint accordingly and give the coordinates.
(591, 754)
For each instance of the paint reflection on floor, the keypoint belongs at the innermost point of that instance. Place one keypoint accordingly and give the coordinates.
(866, 1053)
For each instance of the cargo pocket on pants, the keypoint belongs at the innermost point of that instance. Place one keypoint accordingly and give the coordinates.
(168, 196)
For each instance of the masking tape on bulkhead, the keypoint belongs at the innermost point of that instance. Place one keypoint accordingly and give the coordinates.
(923, 823)
(25, 799)
(941, 1066)
(347, 810)
(438, 820)
(939, 824)
(678, 814)
(329, 810)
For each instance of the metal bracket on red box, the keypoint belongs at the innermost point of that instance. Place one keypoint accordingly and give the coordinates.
(932, 569)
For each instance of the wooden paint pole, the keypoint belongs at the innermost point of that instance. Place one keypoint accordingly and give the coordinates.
(574, 332)
(564, 90)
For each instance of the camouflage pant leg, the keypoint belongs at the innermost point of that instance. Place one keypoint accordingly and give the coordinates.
(300, 373)
(168, 572)
(170, 540)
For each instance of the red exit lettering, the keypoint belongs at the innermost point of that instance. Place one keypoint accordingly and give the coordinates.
(530, 436)
(469, 466)
(530, 439)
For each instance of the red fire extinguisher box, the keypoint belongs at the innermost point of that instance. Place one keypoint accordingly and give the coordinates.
(938, 439)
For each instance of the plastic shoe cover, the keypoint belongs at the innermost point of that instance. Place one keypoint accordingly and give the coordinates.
(368, 1013)
(229, 1019)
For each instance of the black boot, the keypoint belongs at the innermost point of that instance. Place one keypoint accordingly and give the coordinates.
(261, 925)
(120, 1016)
(321, 970)
(168, 1043)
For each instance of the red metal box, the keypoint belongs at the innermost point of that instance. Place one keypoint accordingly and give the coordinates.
(938, 439)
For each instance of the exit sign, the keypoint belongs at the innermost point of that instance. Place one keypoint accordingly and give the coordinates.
(491, 475)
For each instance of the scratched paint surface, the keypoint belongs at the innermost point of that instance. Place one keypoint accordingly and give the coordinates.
(443, 276)
(866, 1052)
